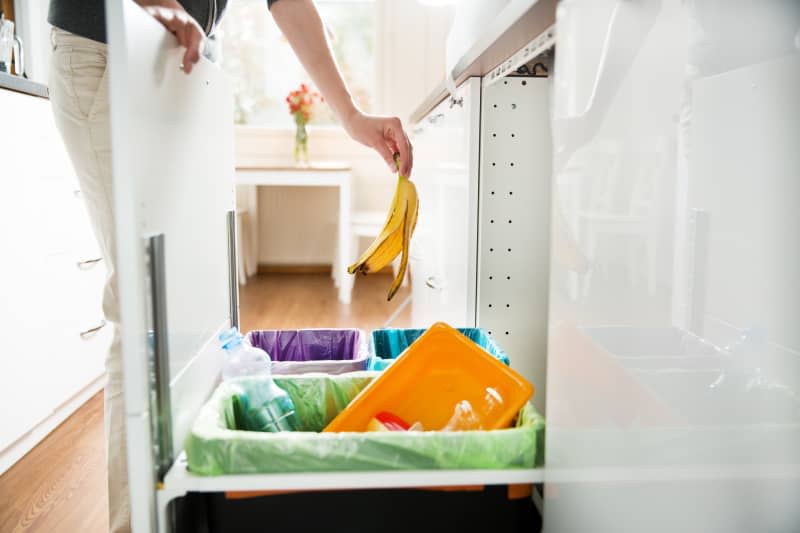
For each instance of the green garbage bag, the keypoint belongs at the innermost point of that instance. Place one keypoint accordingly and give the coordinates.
(215, 447)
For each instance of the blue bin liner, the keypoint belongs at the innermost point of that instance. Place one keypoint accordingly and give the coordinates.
(389, 343)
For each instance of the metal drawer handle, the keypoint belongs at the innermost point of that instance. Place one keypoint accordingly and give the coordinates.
(89, 333)
(88, 263)
(435, 118)
(433, 283)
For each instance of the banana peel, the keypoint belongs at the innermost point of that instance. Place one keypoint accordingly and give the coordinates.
(395, 237)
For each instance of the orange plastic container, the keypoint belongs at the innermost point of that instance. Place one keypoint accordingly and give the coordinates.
(439, 370)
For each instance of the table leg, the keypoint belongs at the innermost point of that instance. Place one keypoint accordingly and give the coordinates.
(343, 249)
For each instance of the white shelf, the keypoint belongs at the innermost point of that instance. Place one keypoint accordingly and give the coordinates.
(179, 480)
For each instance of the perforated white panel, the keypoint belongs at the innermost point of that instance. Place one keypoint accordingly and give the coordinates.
(514, 223)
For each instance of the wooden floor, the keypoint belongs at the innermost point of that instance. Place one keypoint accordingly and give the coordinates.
(60, 486)
(289, 301)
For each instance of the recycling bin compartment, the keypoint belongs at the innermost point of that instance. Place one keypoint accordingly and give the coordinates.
(298, 351)
(389, 343)
(215, 447)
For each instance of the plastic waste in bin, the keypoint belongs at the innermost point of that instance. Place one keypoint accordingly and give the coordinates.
(258, 403)
(240, 358)
(438, 372)
(217, 446)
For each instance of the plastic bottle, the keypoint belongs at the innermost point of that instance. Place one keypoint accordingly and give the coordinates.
(263, 404)
(242, 359)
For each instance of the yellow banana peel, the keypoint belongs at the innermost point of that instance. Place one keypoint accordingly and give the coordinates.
(395, 237)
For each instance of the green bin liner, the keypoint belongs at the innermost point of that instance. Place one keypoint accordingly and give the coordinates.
(389, 343)
(215, 447)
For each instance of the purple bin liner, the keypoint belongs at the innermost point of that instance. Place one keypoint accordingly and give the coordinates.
(332, 351)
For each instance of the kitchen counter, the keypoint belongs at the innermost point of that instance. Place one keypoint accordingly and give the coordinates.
(22, 85)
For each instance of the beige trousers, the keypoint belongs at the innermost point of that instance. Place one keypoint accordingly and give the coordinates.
(79, 97)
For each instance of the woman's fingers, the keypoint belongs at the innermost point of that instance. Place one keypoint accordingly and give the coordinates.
(396, 135)
(386, 152)
(185, 29)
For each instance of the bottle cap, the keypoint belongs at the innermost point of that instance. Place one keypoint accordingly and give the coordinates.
(230, 338)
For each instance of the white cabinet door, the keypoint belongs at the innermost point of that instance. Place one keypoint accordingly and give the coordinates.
(25, 241)
(446, 153)
(184, 192)
(46, 299)
(674, 349)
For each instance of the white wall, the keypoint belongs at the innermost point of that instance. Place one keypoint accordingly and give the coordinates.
(411, 53)
(298, 226)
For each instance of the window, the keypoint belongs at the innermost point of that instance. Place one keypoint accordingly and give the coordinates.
(263, 68)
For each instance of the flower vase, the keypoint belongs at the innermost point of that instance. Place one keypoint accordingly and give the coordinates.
(301, 145)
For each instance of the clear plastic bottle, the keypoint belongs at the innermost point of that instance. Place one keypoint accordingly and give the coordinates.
(242, 359)
(264, 406)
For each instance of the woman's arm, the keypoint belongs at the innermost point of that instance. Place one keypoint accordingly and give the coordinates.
(301, 24)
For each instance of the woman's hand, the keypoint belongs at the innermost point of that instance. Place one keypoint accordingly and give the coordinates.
(188, 32)
(385, 135)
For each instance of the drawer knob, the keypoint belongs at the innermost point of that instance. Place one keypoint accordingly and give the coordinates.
(433, 119)
(89, 333)
(434, 283)
(89, 263)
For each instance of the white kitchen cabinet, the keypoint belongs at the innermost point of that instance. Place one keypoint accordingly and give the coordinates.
(480, 254)
(50, 294)
(444, 245)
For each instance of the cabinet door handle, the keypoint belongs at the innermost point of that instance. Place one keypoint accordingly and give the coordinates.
(435, 118)
(89, 333)
(434, 283)
(89, 263)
